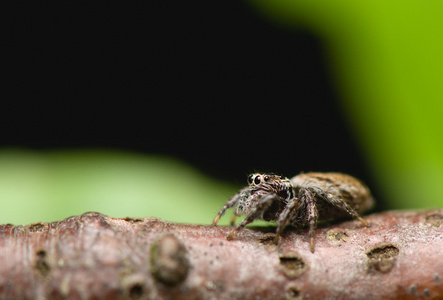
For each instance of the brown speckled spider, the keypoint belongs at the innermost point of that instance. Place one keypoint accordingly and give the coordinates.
(300, 201)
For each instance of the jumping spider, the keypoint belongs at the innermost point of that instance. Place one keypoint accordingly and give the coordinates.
(299, 201)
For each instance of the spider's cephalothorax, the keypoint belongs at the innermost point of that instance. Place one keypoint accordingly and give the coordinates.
(302, 200)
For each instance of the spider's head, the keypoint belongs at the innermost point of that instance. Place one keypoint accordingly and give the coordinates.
(271, 183)
(258, 179)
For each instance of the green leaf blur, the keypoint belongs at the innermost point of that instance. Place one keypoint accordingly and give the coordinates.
(50, 186)
(386, 58)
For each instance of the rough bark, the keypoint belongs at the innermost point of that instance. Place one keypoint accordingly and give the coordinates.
(92, 256)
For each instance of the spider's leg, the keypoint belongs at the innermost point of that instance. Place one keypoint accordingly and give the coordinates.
(345, 206)
(258, 209)
(286, 216)
(233, 218)
(231, 202)
(312, 214)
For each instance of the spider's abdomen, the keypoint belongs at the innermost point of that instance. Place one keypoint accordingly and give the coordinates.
(330, 189)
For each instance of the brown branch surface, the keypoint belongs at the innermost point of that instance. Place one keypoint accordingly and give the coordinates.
(93, 256)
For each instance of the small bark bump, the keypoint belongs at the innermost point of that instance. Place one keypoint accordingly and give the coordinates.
(435, 220)
(133, 220)
(292, 264)
(95, 219)
(41, 265)
(169, 260)
(336, 237)
(382, 259)
(412, 289)
(136, 291)
(36, 227)
(268, 242)
(293, 292)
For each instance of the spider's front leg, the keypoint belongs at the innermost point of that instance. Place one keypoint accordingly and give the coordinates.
(233, 218)
(232, 202)
(262, 204)
(311, 215)
(284, 219)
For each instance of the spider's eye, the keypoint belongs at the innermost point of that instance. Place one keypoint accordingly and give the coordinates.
(257, 179)
(250, 178)
(266, 178)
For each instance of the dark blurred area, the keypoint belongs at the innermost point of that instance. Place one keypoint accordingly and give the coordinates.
(211, 82)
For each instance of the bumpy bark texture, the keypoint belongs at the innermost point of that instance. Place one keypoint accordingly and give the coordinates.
(92, 256)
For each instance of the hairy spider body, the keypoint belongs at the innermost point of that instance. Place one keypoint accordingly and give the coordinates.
(302, 200)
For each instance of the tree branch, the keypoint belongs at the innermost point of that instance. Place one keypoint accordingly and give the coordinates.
(93, 256)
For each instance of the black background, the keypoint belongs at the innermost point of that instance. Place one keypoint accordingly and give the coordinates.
(211, 82)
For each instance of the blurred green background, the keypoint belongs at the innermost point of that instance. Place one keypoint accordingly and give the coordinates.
(52, 185)
(385, 58)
